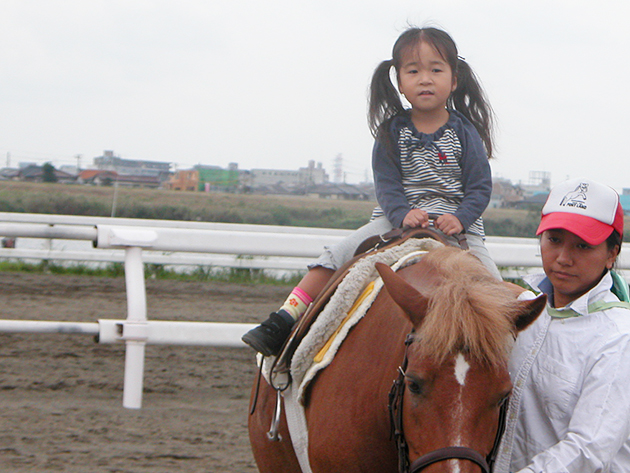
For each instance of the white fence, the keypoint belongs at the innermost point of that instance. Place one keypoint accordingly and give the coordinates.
(136, 242)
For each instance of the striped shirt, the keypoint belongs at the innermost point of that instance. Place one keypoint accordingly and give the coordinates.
(443, 172)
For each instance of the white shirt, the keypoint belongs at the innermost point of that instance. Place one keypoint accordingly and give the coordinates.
(574, 393)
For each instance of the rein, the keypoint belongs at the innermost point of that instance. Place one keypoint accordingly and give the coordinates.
(395, 407)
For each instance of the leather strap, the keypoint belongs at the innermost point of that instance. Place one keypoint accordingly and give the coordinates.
(449, 453)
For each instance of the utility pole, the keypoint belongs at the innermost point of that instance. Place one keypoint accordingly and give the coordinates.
(78, 158)
(115, 196)
(338, 169)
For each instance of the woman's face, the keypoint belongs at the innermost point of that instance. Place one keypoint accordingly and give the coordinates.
(572, 265)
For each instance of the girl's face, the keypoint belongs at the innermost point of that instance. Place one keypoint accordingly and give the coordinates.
(425, 79)
(572, 265)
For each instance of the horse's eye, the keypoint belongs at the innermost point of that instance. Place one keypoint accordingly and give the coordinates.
(414, 385)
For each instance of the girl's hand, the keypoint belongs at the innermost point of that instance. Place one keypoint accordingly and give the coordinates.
(416, 218)
(449, 224)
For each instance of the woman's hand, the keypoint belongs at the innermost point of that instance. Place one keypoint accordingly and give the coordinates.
(416, 218)
(449, 224)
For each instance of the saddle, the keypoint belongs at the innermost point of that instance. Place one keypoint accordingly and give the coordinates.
(372, 244)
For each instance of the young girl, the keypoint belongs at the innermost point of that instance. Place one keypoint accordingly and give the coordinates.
(570, 408)
(429, 158)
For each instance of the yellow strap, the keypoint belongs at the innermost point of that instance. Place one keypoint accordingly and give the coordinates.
(366, 292)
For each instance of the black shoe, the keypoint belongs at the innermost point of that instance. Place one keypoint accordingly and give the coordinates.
(269, 336)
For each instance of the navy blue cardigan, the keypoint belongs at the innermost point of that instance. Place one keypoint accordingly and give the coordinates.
(476, 174)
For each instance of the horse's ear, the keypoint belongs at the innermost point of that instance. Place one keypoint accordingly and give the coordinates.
(528, 311)
(407, 297)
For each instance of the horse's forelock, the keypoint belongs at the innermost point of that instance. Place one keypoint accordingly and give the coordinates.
(468, 310)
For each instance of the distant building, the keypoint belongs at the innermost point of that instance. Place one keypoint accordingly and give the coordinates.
(205, 179)
(35, 173)
(70, 169)
(312, 174)
(9, 174)
(185, 180)
(25, 164)
(265, 177)
(132, 167)
(504, 193)
(214, 178)
(148, 182)
(338, 191)
(97, 177)
(534, 202)
(303, 177)
(539, 182)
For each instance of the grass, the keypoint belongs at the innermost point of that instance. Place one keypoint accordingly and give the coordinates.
(62, 199)
(45, 266)
(95, 201)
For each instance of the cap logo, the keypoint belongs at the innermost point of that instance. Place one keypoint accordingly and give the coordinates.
(576, 198)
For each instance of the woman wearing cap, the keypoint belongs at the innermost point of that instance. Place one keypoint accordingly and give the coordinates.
(570, 407)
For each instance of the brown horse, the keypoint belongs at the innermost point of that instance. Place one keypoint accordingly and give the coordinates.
(454, 376)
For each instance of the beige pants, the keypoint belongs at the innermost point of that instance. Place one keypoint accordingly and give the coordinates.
(336, 255)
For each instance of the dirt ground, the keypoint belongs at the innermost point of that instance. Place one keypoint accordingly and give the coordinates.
(61, 395)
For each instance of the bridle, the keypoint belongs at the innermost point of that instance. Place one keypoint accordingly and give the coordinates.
(442, 454)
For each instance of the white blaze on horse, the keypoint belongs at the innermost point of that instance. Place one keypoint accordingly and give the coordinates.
(442, 330)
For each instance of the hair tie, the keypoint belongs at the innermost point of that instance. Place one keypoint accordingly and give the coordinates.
(461, 58)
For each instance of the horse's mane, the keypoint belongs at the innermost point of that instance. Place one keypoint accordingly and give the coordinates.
(468, 310)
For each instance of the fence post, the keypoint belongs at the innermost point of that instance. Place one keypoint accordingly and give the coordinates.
(135, 328)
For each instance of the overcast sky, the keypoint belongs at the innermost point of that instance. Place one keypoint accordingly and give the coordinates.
(276, 83)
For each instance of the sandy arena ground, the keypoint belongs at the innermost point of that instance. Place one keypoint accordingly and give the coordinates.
(61, 395)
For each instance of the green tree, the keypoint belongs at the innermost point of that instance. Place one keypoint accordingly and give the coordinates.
(49, 173)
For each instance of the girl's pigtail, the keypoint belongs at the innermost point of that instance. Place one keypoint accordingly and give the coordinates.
(385, 101)
(470, 99)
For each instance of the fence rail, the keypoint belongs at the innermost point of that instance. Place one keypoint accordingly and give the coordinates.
(94, 239)
(135, 242)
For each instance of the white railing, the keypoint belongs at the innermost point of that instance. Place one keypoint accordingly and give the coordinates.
(75, 239)
(136, 242)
